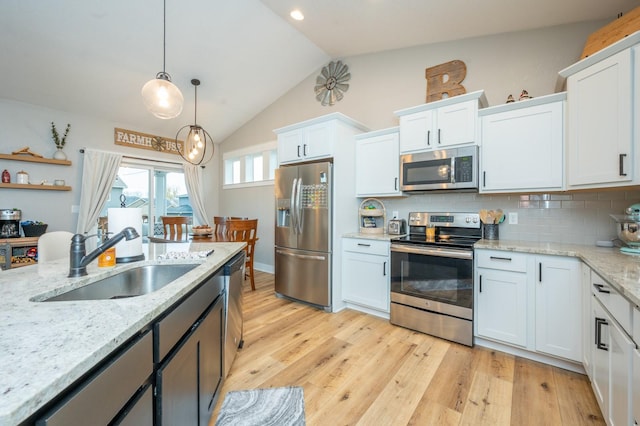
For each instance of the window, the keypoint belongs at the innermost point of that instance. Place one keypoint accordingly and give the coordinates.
(251, 166)
(159, 189)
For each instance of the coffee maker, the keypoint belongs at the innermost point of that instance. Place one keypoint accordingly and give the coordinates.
(10, 223)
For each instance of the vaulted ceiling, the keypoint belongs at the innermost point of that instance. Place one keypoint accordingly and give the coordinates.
(92, 57)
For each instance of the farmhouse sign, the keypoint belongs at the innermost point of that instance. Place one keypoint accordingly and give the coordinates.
(147, 141)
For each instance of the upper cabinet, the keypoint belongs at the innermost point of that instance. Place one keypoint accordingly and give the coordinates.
(600, 135)
(440, 124)
(312, 139)
(522, 145)
(378, 163)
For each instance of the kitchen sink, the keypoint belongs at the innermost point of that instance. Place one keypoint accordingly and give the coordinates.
(130, 283)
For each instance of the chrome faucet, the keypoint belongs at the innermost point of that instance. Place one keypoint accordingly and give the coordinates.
(78, 254)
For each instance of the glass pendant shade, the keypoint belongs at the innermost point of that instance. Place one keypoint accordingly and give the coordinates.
(162, 98)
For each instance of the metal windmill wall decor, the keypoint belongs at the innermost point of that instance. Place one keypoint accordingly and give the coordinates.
(332, 83)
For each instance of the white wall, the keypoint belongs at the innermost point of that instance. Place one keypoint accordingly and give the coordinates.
(385, 82)
(24, 125)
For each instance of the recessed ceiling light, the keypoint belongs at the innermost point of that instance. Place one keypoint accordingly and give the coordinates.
(297, 15)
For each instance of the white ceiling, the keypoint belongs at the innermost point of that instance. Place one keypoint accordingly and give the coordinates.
(92, 57)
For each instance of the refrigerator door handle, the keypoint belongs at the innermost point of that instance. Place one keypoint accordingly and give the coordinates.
(299, 206)
(294, 219)
(301, 256)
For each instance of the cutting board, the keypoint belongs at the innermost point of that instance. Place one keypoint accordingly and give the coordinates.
(627, 24)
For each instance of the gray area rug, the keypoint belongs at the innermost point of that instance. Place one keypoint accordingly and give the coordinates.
(263, 407)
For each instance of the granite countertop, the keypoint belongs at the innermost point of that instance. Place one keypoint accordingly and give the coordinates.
(379, 237)
(620, 270)
(45, 347)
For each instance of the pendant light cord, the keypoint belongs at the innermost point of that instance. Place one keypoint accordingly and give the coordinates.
(195, 83)
(164, 37)
(195, 110)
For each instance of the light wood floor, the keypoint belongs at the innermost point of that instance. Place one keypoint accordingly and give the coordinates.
(357, 369)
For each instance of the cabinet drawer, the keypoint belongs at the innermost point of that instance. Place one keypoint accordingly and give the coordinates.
(614, 302)
(503, 260)
(171, 328)
(103, 395)
(361, 245)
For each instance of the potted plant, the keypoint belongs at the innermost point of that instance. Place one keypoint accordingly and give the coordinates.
(59, 154)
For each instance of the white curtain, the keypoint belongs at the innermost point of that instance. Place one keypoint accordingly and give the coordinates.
(98, 174)
(193, 179)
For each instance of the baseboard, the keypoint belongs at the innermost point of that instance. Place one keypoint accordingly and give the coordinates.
(263, 267)
(534, 356)
(367, 310)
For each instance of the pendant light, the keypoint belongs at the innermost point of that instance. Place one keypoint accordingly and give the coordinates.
(194, 149)
(160, 95)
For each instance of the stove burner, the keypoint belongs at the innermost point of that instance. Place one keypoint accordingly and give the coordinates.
(460, 230)
(445, 240)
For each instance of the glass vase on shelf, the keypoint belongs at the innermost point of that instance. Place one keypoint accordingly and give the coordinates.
(59, 154)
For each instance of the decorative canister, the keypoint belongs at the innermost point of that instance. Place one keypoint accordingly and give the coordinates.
(6, 176)
(22, 177)
(490, 231)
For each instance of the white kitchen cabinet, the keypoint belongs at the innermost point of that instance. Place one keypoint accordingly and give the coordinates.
(635, 391)
(313, 139)
(612, 353)
(522, 146)
(530, 301)
(440, 124)
(365, 275)
(378, 163)
(501, 296)
(600, 355)
(635, 396)
(558, 322)
(599, 124)
(587, 322)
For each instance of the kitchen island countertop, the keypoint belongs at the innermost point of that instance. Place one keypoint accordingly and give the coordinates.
(620, 270)
(46, 347)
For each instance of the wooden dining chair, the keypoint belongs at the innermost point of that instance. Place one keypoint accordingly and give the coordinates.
(172, 227)
(245, 230)
(220, 224)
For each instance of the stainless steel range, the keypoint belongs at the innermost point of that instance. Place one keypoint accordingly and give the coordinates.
(432, 275)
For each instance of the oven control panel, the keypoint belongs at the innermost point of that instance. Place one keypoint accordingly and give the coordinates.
(448, 219)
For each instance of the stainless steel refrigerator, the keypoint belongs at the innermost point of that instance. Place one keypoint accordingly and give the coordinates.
(303, 232)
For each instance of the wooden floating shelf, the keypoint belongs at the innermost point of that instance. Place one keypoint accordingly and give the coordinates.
(30, 186)
(31, 159)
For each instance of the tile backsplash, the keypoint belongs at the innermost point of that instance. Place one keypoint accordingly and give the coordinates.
(580, 217)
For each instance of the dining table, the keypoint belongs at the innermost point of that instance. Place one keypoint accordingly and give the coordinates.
(187, 238)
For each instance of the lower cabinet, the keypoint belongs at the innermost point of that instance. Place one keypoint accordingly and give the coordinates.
(636, 387)
(530, 301)
(188, 380)
(189, 354)
(108, 391)
(635, 400)
(182, 350)
(365, 274)
(612, 354)
(501, 296)
(558, 307)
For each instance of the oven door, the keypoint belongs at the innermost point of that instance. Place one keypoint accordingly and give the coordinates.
(434, 278)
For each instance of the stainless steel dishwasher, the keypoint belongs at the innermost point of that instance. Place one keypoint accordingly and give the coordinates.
(234, 277)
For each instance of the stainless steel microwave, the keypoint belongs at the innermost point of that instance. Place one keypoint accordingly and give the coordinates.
(449, 169)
